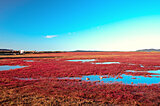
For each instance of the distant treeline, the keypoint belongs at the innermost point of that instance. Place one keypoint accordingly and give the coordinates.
(16, 52)
(87, 51)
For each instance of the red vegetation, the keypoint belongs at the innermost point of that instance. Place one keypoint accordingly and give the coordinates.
(46, 71)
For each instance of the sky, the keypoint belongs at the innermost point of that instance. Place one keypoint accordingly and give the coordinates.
(66, 25)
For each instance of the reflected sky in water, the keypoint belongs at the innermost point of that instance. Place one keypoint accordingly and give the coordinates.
(28, 60)
(107, 63)
(126, 79)
(6, 67)
(82, 60)
(90, 60)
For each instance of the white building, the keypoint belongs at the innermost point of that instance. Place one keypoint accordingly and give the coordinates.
(21, 51)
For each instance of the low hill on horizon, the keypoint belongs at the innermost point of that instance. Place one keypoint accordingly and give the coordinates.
(148, 50)
(6, 49)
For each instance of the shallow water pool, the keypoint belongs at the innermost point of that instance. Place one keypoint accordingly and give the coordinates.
(7, 67)
(107, 63)
(25, 79)
(91, 60)
(82, 60)
(125, 79)
(28, 60)
(152, 71)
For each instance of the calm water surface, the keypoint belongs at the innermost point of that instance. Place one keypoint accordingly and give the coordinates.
(82, 60)
(151, 71)
(25, 78)
(6, 67)
(107, 63)
(28, 60)
(126, 79)
(90, 60)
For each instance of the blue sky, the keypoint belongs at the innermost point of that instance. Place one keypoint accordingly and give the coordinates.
(79, 24)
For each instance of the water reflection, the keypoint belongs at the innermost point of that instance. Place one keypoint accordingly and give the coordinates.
(25, 78)
(134, 71)
(141, 65)
(28, 60)
(41, 78)
(108, 63)
(156, 71)
(90, 60)
(156, 66)
(82, 60)
(125, 79)
(152, 71)
(7, 67)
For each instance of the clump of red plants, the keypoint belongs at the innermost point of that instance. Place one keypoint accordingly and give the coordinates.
(48, 89)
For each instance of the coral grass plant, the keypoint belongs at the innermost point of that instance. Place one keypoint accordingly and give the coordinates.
(43, 86)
